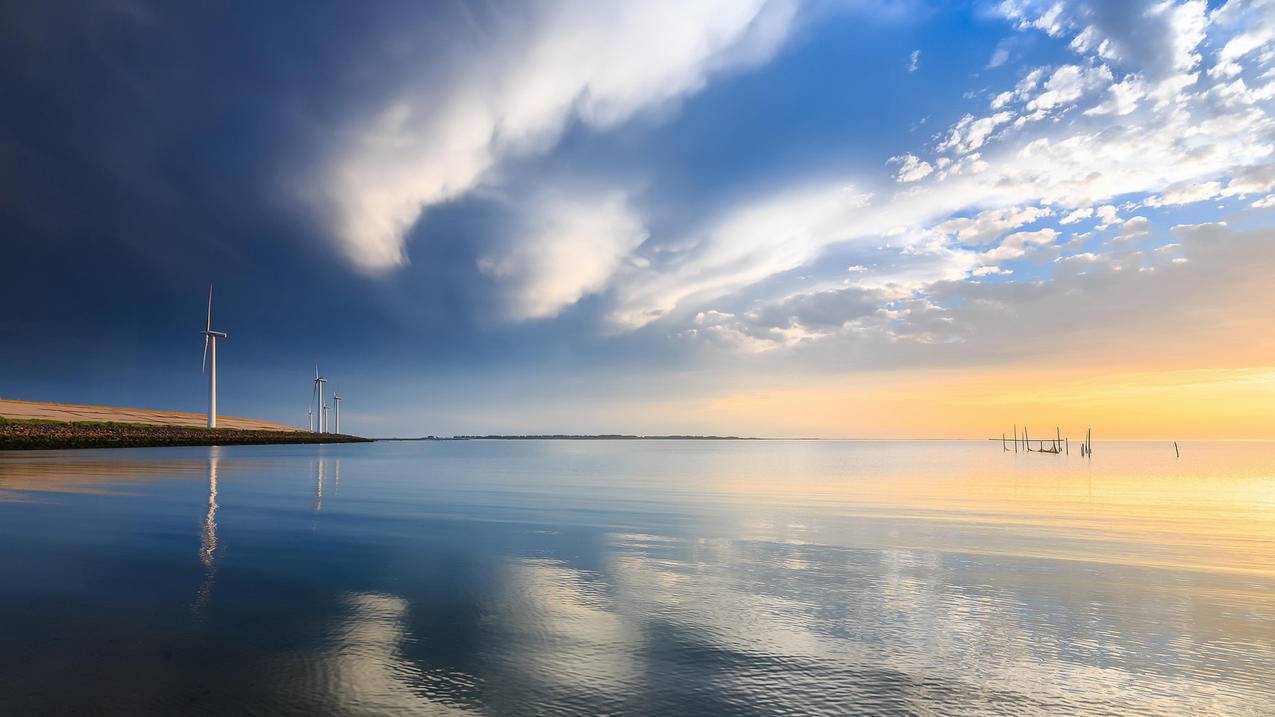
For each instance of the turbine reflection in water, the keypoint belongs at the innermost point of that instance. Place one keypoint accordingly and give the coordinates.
(318, 484)
(208, 539)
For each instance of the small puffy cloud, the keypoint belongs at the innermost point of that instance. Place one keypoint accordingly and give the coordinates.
(1108, 216)
(987, 225)
(1122, 97)
(911, 168)
(1068, 84)
(1265, 202)
(1019, 245)
(914, 61)
(1048, 17)
(1077, 215)
(1136, 228)
(970, 133)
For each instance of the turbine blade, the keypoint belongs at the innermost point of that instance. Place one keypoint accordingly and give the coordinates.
(208, 324)
(203, 365)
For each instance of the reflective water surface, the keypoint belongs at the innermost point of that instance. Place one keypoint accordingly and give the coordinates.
(626, 577)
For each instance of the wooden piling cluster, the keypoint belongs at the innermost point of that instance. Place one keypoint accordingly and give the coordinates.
(1056, 445)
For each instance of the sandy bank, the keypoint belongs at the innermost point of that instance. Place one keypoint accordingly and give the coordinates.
(74, 412)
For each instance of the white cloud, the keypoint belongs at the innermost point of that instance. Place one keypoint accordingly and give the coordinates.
(1135, 116)
(911, 168)
(969, 134)
(514, 93)
(1136, 228)
(1107, 216)
(986, 226)
(1187, 193)
(1077, 215)
(1068, 84)
(1018, 245)
(751, 242)
(914, 61)
(572, 250)
(1150, 133)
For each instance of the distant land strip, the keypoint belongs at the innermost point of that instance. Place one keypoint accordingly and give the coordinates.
(576, 437)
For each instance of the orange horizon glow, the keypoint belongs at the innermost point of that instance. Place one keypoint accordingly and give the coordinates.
(1180, 404)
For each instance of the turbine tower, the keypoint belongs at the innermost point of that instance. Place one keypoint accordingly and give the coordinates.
(210, 361)
(309, 415)
(336, 399)
(320, 409)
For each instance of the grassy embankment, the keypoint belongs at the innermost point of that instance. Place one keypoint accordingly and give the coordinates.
(26, 434)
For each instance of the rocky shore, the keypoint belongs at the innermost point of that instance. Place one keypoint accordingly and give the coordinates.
(26, 435)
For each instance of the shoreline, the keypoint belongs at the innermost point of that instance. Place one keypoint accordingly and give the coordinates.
(20, 435)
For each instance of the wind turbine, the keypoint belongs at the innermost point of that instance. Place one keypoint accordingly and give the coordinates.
(309, 414)
(210, 361)
(318, 393)
(337, 400)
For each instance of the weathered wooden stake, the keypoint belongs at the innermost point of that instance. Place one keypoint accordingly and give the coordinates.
(1176, 452)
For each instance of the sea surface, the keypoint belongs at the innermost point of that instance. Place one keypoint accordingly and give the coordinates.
(639, 577)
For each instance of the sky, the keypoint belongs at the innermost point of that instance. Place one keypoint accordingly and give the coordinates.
(823, 218)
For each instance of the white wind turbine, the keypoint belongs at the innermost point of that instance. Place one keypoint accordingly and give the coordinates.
(210, 361)
(336, 399)
(320, 409)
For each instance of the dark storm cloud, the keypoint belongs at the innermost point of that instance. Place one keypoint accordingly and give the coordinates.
(145, 151)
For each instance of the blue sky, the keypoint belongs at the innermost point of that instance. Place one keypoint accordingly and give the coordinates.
(596, 216)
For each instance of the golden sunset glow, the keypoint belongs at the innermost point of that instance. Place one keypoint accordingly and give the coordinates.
(1178, 404)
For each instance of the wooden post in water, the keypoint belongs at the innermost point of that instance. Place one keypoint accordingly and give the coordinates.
(1067, 445)
(1015, 437)
(1176, 452)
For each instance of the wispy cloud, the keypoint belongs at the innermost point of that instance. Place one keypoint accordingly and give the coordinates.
(433, 139)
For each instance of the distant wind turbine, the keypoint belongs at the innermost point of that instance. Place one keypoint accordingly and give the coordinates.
(320, 408)
(336, 399)
(210, 361)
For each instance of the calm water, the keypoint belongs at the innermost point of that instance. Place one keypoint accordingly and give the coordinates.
(659, 578)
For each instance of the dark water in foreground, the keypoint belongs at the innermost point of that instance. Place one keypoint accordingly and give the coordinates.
(638, 578)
